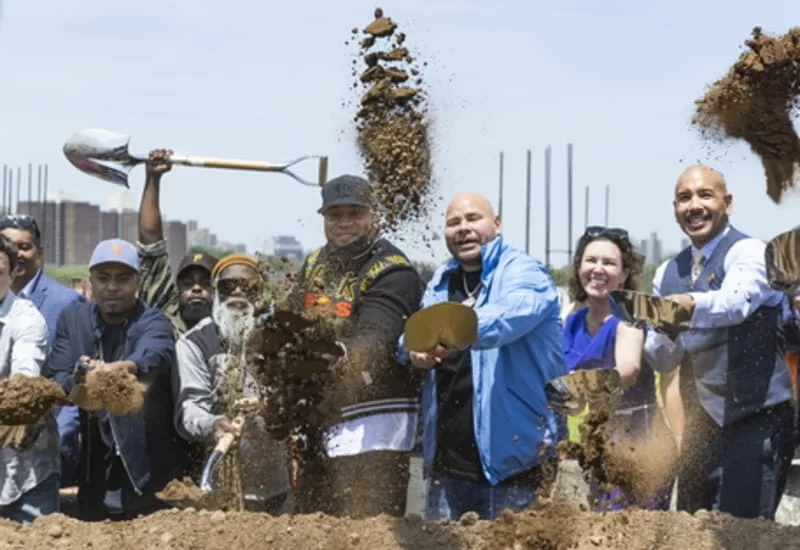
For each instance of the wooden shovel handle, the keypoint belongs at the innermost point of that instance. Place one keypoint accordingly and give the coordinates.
(231, 164)
(227, 440)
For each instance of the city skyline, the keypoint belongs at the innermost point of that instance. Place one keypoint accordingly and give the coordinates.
(630, 129)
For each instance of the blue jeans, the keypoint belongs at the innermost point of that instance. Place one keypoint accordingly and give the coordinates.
(450, 498)
(69, 424)
(39, 501)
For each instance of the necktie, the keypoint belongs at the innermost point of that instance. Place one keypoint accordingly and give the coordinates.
(697, 265)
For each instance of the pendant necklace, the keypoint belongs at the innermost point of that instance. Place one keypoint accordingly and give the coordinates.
(471, 294)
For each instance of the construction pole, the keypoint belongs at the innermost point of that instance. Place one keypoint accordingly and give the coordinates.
(547, 207)
(528, 206)
(608, 202)
(44, 203)
(5, 184)
(39, 190)
(30, 183)
(586, 210)
(500, 190)
(569, 202)
(19, 186)
(7, 198)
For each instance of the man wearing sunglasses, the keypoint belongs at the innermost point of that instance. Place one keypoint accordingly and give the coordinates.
(186, 299)
(733, 376)
(50, 298)
(205, 354)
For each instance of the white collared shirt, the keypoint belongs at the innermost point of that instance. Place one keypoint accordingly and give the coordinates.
(23, 350)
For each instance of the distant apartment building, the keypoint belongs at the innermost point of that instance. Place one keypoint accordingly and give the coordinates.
(71, 230)
(652, 249)
(204, 237)
(284, 246)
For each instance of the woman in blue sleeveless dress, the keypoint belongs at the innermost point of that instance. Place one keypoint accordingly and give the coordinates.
(594, 338)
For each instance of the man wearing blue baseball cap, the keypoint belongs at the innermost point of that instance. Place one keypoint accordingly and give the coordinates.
(125, 458)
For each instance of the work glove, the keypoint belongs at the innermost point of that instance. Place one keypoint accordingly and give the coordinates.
(20, 437)
(572, 392)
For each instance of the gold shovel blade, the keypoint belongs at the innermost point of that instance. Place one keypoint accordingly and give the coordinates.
(449, 324)
(659, 313)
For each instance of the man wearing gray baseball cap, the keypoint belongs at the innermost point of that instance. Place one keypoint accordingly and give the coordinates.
(125, 458)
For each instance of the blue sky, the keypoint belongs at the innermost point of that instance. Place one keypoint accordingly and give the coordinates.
(266, 80)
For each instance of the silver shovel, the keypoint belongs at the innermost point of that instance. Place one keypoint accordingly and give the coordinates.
(104, 154)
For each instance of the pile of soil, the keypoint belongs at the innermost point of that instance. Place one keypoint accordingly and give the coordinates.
(756, 101)
(392, 124)
(25, 399)
(551, 526)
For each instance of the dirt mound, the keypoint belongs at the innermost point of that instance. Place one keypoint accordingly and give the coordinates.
(392, 124)
(186, 494)
(756, 101)
(25, 399)
(547, 527)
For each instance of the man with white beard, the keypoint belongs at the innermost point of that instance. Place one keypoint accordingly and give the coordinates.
(204, 354)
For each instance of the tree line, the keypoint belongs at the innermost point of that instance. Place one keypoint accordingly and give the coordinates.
(67, 274)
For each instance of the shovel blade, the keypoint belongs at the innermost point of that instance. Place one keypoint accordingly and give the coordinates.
(782, 258)
(102, 154)
(449, 324)
(659, 313)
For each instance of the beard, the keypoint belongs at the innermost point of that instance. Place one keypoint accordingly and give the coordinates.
(194, 312)
(234, 320)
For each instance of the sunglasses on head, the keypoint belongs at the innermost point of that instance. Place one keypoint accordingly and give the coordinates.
(595, 231)
(21, 221)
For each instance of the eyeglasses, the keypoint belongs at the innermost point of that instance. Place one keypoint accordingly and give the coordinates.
(229, 286)
(21, 221)
(595, 231)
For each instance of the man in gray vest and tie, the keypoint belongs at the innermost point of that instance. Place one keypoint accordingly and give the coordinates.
(734, 382)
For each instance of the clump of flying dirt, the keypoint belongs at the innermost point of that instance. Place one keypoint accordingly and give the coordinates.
(392, 124)
(757, 101)
(25, 399)
(610, 460)
(117, 390)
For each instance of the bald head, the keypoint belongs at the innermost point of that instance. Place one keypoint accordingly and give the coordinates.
(702, 203)
(699, 173)
(470, 222)
(474, 201)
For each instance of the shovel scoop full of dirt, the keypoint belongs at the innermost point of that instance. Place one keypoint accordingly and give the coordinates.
(756, 101)
(116, 390)
(25, 399)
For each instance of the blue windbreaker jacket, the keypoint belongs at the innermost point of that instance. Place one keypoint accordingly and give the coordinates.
(519, 350)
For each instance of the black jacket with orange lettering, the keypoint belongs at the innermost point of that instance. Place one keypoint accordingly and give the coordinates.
(370, 295)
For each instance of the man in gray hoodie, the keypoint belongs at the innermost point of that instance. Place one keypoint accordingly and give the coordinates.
(205, 354)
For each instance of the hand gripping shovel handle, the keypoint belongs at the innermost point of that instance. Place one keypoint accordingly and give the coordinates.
(222, 447)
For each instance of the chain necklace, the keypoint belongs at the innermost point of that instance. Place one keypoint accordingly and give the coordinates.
(471, 294)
